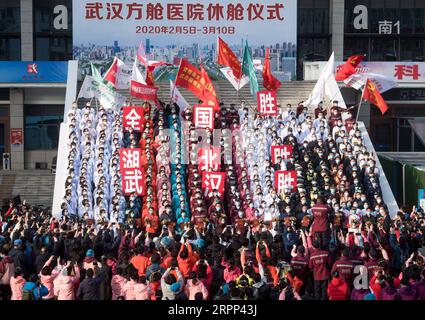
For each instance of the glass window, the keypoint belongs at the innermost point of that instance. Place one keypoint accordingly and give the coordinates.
(10, 49)
(412, 50)
(10, 16)
(42, 126)
(44, 16)
(53, 48)
(356, 45)
(51, 43)
(384, 49)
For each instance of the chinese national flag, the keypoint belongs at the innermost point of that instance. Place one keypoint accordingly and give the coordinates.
(269, 81)
(372, 94)
(150, 81)
(189, 77)
(226, 57)
(348, 68)
(210, 97)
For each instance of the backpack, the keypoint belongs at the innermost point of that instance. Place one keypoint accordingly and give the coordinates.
(29, 295)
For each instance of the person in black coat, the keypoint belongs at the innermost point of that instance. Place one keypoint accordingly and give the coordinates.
(89, 287)
(18, 256)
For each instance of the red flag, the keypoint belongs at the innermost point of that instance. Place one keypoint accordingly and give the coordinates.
(210, 97)
(189, 77)
(111, 74)
(142, 91)
(372, 94)
(348, 68)
(269, 81)
(226, 57)
(150, 81)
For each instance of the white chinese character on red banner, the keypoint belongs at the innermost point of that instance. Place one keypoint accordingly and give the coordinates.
(213, 181)
(133, 181)
(204, 117)
(267, 103)
(209, 159)
(285, 180)
(285, 152)
(133, 118)
(130, 159)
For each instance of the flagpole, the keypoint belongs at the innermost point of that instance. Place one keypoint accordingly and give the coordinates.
(360, 103)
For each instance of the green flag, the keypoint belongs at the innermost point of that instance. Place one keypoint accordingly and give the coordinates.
(95, 73)
(249, 70)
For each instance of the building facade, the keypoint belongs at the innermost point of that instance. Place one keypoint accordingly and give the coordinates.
(384, 30)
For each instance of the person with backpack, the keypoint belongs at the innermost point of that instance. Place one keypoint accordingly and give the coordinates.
(33, 289)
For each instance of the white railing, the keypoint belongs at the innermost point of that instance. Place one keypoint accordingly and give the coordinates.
(387, 193)
(62, 157)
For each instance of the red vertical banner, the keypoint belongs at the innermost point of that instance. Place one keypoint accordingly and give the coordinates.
(285, 180)
(284, 151)
(133, 178)
(133, 117)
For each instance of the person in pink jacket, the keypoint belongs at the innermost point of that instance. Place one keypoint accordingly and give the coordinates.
(232, 272)
(117, 284)
(194, 286)
(17, 283)
(47, 277)
(142, 290)
(129, 286)
(67, 280)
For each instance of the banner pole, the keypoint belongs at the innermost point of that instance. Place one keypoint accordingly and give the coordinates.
(360, 103)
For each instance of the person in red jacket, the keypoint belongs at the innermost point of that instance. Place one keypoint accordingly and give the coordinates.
(345, 267)
(320, 226)
(338, 288)
(320, 264)
(186, 259)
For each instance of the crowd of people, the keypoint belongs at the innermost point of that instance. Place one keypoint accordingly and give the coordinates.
(329, 238)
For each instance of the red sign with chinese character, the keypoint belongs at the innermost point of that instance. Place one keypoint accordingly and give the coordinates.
(130, 158)
(203, 116)
(131, 170)
(213, 181)
(133, 181)
(285, 180)
(284, 151)
(267, 103)
(133, 117)
(209, 159)
(16, 135)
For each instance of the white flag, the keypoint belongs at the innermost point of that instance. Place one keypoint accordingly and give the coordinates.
(177, 97)
(107, 96)
(237, 84)
(382, 83)
(136, 75)
(318, 92)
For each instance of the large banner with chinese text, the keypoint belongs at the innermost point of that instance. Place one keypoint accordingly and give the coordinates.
(171, 29)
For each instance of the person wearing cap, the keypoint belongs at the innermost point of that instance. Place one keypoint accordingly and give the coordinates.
(18, 256)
